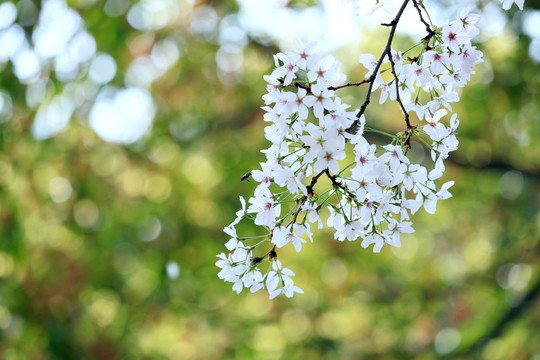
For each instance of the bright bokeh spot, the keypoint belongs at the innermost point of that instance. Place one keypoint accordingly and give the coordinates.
(52, 117)
(122, 116)
(173, 270)
(8, 14)
(60, 189)
(447, 340)
(102, 69)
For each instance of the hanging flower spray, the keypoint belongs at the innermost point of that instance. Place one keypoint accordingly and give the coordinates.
(311, 131)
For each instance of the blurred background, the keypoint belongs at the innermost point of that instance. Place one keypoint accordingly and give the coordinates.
(125, 127)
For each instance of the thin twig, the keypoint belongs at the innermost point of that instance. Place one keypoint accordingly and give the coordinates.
(398, 99)
(257, 259)
(407, 140)
(428, 28)
(297, 85)
(385, 52)
(299, 203)
(314, 181)
(349, 84)
(339, 184)
(393, 24)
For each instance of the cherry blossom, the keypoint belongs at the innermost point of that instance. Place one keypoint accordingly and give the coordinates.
(370, 190)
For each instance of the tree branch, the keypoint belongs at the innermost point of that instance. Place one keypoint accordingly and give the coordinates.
(428, 28)
(398, 99)
(393, 24)
(314, 181)
(297, 85)
(385, 52)
(349, 84)
(339, 184)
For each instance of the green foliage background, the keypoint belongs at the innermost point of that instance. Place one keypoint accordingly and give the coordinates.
(79, 281)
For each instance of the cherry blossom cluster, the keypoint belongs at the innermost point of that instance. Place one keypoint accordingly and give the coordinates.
(320, 164)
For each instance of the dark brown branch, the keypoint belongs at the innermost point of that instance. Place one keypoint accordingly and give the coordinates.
(257, 259)
(331, 177)
(349, 84)
(398, 98)
(309, 190)
(339, 184)
(299, 202)
(272, 250)
(393, 24)
(297, 85)
(314, 181)
(385, 52)
(430, 31)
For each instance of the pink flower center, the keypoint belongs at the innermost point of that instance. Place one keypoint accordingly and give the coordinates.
(362, 160)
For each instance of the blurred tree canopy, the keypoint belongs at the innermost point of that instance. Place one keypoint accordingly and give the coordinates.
(111, 216)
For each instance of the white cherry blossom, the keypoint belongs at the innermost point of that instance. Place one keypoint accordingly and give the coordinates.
(371, 191)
